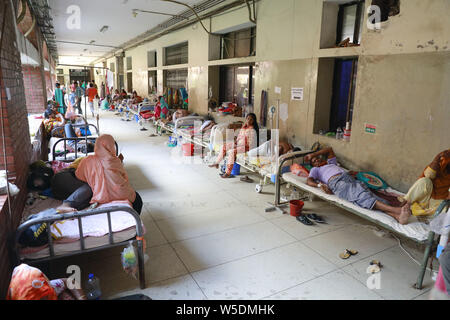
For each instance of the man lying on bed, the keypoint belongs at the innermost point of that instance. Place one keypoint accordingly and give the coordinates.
(332, 179)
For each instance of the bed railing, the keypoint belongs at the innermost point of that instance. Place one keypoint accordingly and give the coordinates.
(281, 161)
(79, 215)
(77, 142)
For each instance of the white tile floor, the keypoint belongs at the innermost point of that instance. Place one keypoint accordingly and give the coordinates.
(209, 238)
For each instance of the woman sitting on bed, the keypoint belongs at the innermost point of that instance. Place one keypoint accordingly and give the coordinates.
(106, 176)
(247, 139)
(53, 119)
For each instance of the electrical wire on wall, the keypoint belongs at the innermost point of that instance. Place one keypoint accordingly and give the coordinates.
(247, 2)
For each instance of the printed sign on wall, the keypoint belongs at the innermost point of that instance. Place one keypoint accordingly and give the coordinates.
(370, 128)
(297, 94)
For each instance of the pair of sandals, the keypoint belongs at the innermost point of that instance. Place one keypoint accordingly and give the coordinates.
(347, 254)
(308, 219)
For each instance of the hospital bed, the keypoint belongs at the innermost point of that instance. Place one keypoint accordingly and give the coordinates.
(108, 226)
(61, 149)
(136, 113)
(416, 230)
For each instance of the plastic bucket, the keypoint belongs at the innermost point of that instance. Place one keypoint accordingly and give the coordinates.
(296, 207)
(188, 149)
(236, 169)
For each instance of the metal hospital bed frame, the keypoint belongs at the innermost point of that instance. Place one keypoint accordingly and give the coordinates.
(138, 239)
(429, 243)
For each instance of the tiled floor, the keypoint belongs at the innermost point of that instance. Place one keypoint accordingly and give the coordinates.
(209, 238)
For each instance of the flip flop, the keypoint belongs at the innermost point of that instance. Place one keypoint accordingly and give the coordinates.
(246, 179)
(224, 176)
(375, 266)
(347, 254)
(314, 217)
(305, 220)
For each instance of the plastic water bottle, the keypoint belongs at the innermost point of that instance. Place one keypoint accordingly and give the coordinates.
(339, 133)
(93, 290)
(295, 195)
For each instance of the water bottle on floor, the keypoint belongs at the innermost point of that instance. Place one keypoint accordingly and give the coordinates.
(93, 290)
(295, 195)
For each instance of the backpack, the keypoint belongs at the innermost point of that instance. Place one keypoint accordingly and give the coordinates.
(37, 235)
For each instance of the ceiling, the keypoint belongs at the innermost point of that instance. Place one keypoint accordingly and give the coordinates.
(116, 14)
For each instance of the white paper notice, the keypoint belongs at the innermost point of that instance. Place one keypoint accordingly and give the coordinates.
(278, 90)
(297, 94)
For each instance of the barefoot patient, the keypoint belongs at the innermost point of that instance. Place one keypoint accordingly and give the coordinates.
(332, 179)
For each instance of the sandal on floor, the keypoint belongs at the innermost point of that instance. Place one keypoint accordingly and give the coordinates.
(246, 179)
(305, 220)
(375, 266)
(347, 254)
(314, 217)
(225, 176)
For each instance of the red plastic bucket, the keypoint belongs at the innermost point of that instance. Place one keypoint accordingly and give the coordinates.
(296, 207)
(188, 149)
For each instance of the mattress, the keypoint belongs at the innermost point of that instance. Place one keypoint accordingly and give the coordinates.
(95, 230)
(415, 229)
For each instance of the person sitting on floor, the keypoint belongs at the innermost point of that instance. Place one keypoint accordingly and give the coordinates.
(106, 176)
(332, 179)
(425, 196)
(247, 139)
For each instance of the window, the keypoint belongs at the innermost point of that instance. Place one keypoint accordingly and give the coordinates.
(60, 71)
(129, 63)
(237, 84)
(175, 78)
(341, 24)
(130, 82)
(350, 20)
(112, 67)
(238, 44)
(151, 59)
(177, 54)
(336, 83)
(152, 82)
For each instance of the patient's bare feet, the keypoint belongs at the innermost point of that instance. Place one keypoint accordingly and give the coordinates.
(214, 166)
(65, 209)
(404, 214)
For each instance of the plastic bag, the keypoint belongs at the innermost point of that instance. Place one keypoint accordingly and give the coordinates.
(441, 224)
(129, 261)
(299, 170)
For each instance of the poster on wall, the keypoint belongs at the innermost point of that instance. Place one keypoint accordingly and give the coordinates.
(297, 94)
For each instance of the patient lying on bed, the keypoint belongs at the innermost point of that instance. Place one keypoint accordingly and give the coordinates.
(105, 176)
(332, 179)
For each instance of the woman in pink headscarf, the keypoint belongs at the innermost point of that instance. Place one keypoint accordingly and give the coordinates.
(105, 174)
